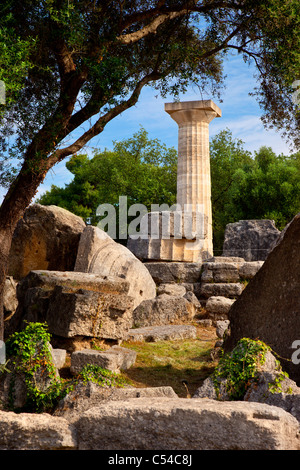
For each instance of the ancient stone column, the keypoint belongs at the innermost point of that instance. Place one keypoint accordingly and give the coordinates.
(184, 233)
(193, 174)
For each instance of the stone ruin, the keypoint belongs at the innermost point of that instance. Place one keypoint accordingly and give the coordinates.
(188, 235)
(85, 286)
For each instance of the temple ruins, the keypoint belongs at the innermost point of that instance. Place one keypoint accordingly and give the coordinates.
(184, 233)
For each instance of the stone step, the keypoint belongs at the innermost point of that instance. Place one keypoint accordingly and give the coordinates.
(114, 359)
(162, 333)
(217, 307)
(229, 270)
(166, 272)
(224, 289)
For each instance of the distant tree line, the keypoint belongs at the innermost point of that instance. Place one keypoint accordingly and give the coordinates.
(262, 185)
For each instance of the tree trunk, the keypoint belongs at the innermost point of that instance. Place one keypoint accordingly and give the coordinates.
(5, 243)
(18, 198)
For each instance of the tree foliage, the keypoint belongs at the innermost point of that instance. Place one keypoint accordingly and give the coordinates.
(262, 185)
(92, 59)
(245, 186)
(142, 169)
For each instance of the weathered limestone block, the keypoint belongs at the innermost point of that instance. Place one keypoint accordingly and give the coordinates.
(191, 297)
(86, 396)
(230, 290)
(26, 431)
(250, 239)
(217, 307)
(100, 254)
(221, 328)
(178, 423)
(270, 387)
(220, 272)
(171, 289)
(162, 333)
(59, 357)
(47, 237)
(249, 269)
(76, 280)
(10, 300)
(75, 304)
(275, 389)
(226, 269)
(162, 273)
(163, 310)
(268, 308)
(74, 312)
(114, 359)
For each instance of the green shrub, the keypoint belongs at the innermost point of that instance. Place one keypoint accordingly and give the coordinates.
(30, 356)
(239, 367)
(100, 376)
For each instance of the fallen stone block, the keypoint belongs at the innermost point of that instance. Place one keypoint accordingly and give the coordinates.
(269, 386)
(82, 312)
(74, 304)
(47, 237)
(114, 359)
(229, 290)
(225, 269)
(26, 431)
(98, 253)
(59, 357)
(249, 269)
(88, 395)
(250, 239)
(274, 388)
(182, 424)
(172, 289)
(162, 333)
(217, 307)
(268, 308)
(220, 272)
(168, 272)
(191, 297)
(163, 310)
(221, 328)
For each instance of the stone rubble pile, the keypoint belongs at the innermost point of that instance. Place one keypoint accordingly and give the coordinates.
(93, 288)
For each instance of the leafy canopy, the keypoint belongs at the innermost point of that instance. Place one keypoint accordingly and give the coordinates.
(262, 185)
(245, 186)
(68, 61)
(140, 168)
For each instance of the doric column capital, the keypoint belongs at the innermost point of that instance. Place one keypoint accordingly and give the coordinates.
(193, 111)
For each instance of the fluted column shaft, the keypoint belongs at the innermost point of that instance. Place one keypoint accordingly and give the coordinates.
(193, 173)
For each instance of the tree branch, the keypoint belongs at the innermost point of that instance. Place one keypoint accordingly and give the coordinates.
(98, 127)
(188, 6)
(151, 28)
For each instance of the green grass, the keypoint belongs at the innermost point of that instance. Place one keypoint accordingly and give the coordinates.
(168, 363)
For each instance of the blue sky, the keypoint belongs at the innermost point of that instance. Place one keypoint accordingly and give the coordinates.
(240, 113)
